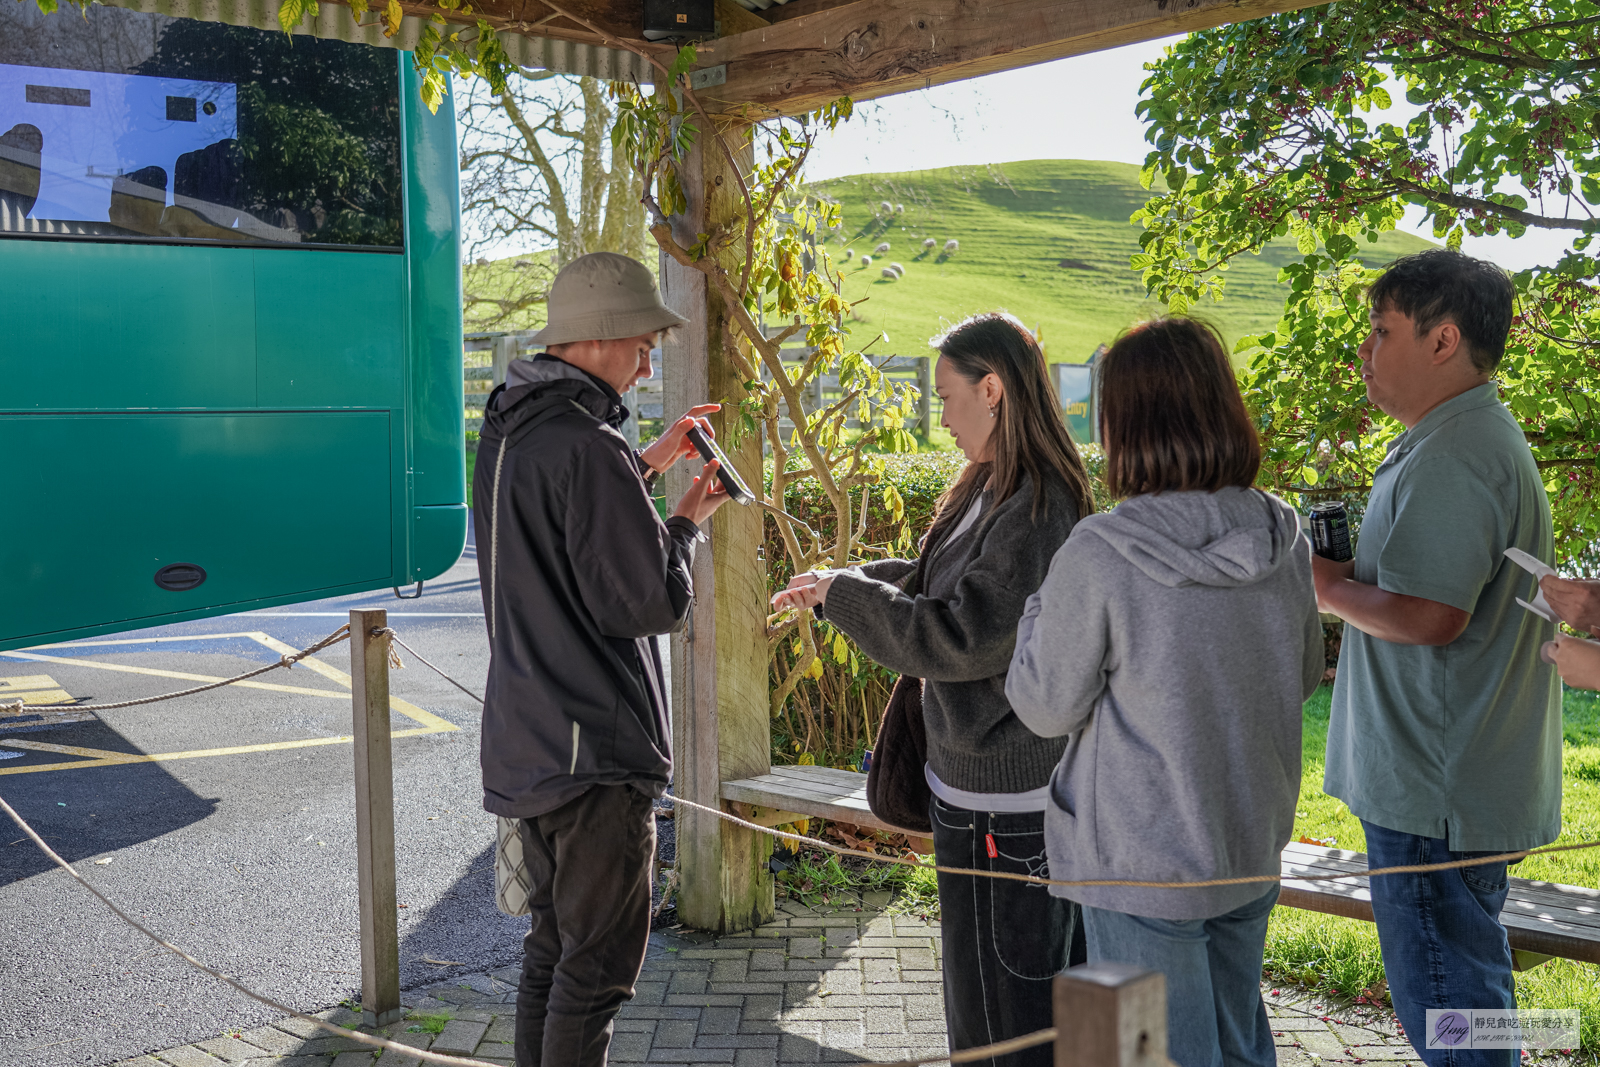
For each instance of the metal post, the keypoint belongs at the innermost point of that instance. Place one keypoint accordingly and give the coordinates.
(1111, 1015)
(380, 921)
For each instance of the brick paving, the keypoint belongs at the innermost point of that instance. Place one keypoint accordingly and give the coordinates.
(834, 984)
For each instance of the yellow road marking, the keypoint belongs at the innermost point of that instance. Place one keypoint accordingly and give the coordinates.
(180, 675)
(429, 723)
(27, 681)
(409, 710)
(118, 758)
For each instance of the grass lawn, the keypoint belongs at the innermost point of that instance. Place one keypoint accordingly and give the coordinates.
(1341, 955)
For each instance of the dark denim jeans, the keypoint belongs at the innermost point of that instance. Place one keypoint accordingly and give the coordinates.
(1443, 945)
(590, 860)
(1215, 1017)
(1004, 941)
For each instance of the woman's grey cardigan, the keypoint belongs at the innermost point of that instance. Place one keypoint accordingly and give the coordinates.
(958, 635)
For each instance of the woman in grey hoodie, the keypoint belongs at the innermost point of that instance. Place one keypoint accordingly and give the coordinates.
(1175, 640)
(950, 618)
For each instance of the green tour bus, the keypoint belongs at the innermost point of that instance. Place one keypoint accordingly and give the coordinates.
(230, 368)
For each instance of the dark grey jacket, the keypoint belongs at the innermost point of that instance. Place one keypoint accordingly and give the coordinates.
(578, 575)
(958, 635)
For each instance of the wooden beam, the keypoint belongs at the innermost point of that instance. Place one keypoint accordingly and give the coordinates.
(874, 48)
(732, 18)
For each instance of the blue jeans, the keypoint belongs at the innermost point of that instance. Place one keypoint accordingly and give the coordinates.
(1443, 945)
(1004, 942)
(1215, 1017)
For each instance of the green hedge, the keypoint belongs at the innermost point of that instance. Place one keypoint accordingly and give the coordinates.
(830, 719)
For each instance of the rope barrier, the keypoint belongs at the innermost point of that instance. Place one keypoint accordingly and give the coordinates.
(971, 1055)
(1211, 883)
(1017, 1044)
(332, 1028)
(389, 630)
(288, 660)
(1419, 868)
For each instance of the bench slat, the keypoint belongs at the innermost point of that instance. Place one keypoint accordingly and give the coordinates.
(1540, 917)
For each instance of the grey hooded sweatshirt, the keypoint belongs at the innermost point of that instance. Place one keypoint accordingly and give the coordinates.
(1175, 639)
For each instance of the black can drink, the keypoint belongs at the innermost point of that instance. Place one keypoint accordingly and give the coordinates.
(1330, 531)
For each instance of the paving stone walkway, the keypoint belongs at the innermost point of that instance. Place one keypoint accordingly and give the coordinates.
(842, 984)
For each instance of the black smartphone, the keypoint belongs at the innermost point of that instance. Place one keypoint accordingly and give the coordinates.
(707, 447)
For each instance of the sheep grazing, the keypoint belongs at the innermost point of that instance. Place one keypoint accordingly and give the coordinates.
(866, 261)
(881, 249)
(886, 207)
(480, 262)
(889, 272)
(523, 264)
(897, 267)
(849, 253)
(899, 209)
(929, 243)
(952, 245)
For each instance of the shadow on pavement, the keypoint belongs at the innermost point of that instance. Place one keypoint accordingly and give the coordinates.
(463, 926)
(85, 813)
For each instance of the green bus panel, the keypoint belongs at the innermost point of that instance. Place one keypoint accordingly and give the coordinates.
(433, 258)
(119, 326)
(268, 504)
(288, 419)
(354, 324)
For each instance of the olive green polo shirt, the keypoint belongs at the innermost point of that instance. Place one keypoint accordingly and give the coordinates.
(1460, 741)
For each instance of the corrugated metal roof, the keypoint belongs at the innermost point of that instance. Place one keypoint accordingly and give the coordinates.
(337, 22)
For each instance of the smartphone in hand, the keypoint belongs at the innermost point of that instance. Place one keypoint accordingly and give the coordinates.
(707, 447)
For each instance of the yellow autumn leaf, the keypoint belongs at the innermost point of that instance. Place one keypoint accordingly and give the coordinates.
(841, 651)
(815, 670)
(807, 760)
(391, 18)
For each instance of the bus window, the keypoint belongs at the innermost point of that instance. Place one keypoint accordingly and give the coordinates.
(120, 125)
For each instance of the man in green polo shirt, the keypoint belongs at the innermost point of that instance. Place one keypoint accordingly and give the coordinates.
(1445, 734)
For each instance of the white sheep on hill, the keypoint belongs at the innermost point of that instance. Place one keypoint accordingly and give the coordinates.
(952, 245)
(886, 207)
(929, 243)
(866, 261)
(881, 249)
(897, 267)
(889, 272)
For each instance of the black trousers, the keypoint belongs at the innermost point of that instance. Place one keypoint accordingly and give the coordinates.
(590, 860)
(1004, 941)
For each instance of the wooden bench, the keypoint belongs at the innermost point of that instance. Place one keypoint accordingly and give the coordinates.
(1543, 919)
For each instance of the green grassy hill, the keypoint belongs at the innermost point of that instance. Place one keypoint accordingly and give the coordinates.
(1047, 240)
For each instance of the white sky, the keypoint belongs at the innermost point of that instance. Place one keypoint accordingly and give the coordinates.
(1078, 108)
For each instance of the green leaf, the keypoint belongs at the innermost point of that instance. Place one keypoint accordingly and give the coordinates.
(1309, 474)
(291, 12)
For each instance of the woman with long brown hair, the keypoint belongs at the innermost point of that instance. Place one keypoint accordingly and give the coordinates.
(1174, 640)
(950, 618)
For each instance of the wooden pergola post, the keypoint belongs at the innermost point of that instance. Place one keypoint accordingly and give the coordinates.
(720, 727)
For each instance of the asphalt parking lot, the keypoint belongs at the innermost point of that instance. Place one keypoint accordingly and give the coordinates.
(238, 842)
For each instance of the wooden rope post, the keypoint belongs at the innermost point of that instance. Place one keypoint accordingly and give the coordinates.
(1111, 1015)
(380, 915)
(720, 727)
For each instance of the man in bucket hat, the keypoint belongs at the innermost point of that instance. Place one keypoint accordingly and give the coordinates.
(579, 575)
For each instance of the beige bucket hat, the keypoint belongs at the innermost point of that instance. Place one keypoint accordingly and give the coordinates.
(601, 297)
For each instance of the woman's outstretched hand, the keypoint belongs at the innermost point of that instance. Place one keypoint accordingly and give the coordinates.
(809, 590)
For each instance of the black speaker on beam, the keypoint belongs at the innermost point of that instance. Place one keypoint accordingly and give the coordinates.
(664, 19)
